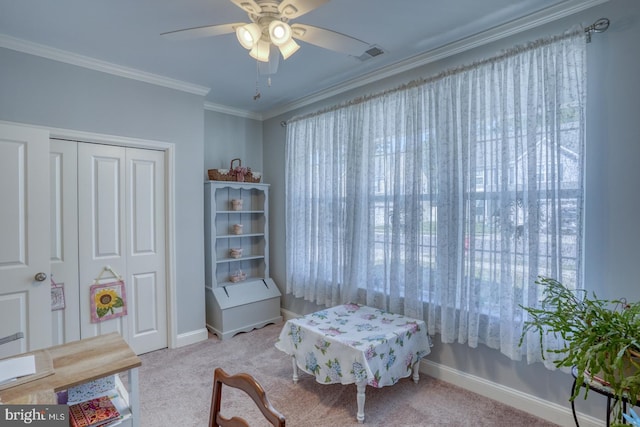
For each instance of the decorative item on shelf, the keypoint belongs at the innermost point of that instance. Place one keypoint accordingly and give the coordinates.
(91, 389)
(235, 252)
(96, 411)
(236, 172)
(601, 339)
(236, 229)
(220, 175)
(236, 204)
(238, 276)
(253, 177)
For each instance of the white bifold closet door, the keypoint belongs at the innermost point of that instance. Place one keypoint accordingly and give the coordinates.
(121, 224)
(117, 220)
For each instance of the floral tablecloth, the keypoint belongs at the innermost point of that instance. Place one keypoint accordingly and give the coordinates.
(352, 343)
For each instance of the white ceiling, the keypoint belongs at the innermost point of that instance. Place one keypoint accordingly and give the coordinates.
(126, 33)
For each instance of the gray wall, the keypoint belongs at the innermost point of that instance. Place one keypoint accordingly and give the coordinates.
(612, 232)
(229, 137)
(44, 92)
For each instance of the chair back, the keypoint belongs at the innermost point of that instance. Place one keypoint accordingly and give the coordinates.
(249, 385)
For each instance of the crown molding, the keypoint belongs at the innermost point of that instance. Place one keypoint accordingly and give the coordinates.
(511, 28)
(48, 52)
(232, 111)
(528, 22)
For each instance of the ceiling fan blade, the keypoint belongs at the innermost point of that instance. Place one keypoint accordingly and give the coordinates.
(199, 32)
(328, 39)
(293, 8)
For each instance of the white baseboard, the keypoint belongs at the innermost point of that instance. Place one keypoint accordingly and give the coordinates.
(541, 408)
(192, 337)
(288, 315)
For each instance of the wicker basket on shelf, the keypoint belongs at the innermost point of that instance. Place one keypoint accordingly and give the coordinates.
(252, 176)
(235, 173)
(221, 175)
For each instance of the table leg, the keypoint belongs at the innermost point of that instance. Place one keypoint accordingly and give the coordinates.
(134, 396)
(416, 371)
(295, 370)
(360, 398)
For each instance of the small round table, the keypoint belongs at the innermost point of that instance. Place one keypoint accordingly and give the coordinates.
(598, 388)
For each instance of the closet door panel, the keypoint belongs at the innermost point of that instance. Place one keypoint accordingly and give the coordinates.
(63, 180)
(101, 229)
(146, 249)
(146, 315)
(143, 213)
(106, 206)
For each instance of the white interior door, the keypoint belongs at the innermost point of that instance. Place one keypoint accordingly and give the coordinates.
(122, 225)
(25, 300)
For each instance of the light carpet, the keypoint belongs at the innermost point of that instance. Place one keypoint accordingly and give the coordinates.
(176, 386)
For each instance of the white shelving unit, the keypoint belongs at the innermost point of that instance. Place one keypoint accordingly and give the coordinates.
(240, 306)
(77, 363)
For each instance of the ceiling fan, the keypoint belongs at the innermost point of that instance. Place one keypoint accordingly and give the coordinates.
(270, 26)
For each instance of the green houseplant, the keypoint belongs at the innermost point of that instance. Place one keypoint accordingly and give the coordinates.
(601, 338)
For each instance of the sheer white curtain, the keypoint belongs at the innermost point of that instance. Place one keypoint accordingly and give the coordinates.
(445, 199)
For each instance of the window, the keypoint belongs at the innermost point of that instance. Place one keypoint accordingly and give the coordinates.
(447, 198)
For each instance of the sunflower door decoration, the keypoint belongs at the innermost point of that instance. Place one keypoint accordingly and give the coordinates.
(108, 300)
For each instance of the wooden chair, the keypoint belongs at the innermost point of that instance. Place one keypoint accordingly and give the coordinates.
(249, 385)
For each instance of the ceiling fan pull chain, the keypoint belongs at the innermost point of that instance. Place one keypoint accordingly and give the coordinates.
(257, 95)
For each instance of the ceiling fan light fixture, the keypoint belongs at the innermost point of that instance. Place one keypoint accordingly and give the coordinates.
(279, 32)
(289, 48)
(260, 51)
(249, 35)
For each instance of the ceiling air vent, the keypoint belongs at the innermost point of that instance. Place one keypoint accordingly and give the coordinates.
(372, 52)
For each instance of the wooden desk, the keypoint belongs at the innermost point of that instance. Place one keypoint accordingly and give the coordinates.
(78, 362)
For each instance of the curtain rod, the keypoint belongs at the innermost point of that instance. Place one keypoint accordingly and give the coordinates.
(600, 26)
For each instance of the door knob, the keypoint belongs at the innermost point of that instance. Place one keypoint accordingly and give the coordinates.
(41, 277)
